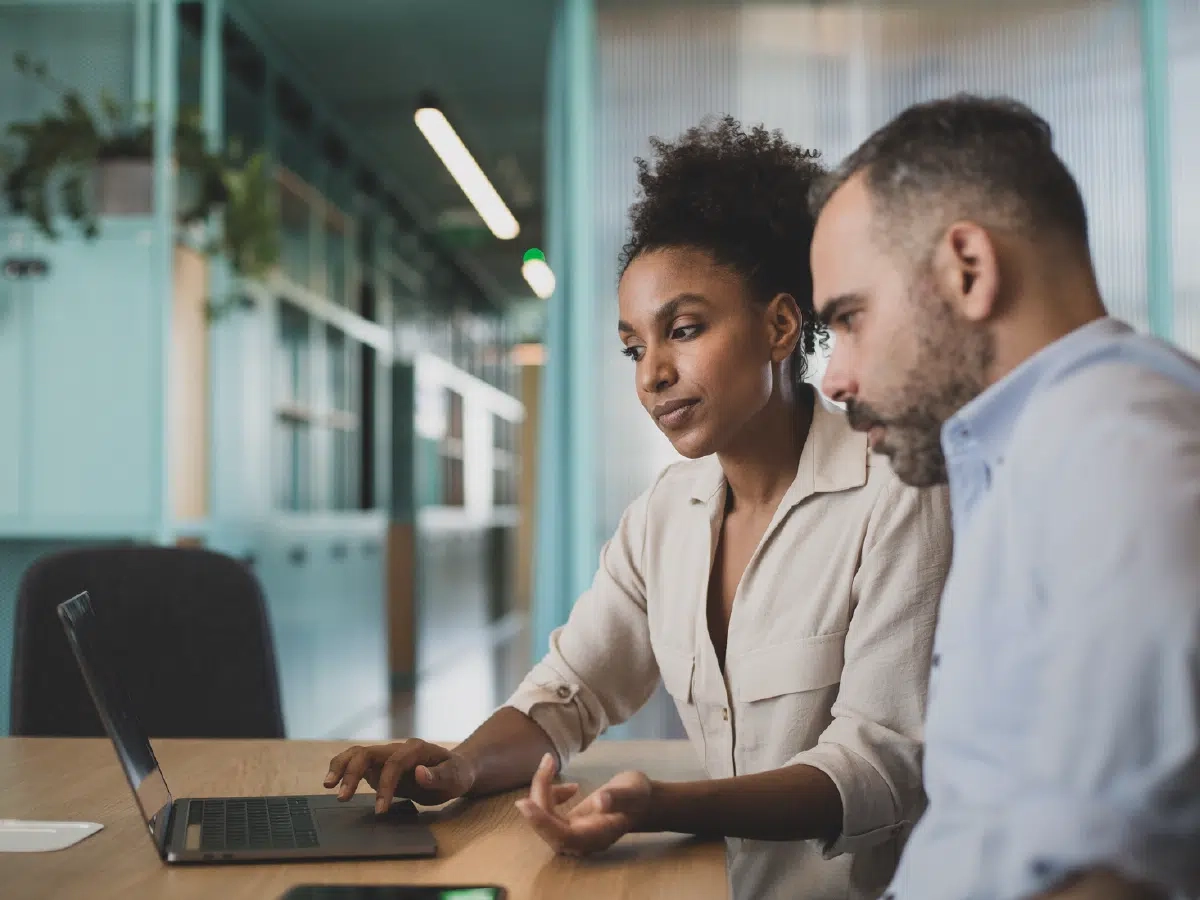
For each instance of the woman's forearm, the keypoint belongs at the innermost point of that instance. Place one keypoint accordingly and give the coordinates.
(790, 804)
(504, 752)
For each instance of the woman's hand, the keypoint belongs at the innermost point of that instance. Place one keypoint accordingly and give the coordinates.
(423, 772)
(597, 822)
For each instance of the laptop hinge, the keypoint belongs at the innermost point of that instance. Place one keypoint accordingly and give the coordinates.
(162, 836)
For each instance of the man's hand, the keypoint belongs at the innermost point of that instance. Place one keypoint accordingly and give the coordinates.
(597, 822)
(425, 773)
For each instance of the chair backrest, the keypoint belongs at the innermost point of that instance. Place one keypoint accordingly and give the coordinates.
(190, 638)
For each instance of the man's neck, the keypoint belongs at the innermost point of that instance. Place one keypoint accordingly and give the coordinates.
(1043, 316)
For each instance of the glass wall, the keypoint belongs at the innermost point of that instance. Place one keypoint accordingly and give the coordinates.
(828, 74)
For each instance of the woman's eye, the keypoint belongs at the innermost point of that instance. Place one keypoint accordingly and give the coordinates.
(847, 320)
(684, 332)
(634, 353)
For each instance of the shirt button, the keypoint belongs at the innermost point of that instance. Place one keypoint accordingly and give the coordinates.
(725, 713)
(937, 660)
(563, 692)
(1041, 869)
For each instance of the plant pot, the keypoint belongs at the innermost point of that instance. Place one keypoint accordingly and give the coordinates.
(125, 187)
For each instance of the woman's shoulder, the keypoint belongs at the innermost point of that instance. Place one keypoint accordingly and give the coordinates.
(676, 487)
(697, 479)
(894, 503)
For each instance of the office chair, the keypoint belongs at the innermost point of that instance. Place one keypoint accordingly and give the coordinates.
(189, 635)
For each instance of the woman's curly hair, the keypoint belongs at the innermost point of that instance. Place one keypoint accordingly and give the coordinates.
(742, 197)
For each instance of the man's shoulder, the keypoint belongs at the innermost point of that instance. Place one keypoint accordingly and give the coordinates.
(1105, 407)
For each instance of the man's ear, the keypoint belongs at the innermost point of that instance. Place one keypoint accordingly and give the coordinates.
(966, 268)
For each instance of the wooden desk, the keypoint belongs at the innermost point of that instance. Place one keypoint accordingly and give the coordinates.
(482, 842)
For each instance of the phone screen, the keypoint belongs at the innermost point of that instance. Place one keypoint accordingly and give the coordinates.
(393, 892)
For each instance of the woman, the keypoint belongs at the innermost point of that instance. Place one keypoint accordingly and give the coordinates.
(781, 580)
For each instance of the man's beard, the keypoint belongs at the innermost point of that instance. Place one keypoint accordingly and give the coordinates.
(951, 361)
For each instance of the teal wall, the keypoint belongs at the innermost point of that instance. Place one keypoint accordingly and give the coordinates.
(1156, 99)
(81, 391)
(568, 538)
(87, 46)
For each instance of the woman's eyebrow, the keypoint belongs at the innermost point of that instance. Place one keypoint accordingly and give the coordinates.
(668, 310)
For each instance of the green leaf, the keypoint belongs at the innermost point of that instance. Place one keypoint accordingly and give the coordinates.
(111, 108)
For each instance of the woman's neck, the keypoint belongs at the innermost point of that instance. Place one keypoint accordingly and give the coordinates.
(761, 465)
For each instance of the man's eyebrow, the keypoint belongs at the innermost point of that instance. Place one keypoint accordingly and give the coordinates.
(667, 311)
(832, 307)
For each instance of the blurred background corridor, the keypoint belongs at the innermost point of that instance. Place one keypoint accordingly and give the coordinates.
(330, 288)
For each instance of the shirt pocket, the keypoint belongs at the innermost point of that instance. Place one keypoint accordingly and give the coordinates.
(785, 694)
(678, 670)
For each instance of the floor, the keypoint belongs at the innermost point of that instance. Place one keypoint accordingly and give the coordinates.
(457, 688)
(466, 683)
(458, 691)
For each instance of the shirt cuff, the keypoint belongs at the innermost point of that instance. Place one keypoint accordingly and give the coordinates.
(551, 701)
(868, 809)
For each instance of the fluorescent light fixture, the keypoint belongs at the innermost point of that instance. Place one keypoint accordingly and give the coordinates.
(539, 275)
(458, 159)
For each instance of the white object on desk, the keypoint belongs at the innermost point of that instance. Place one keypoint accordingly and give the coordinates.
(18, 836)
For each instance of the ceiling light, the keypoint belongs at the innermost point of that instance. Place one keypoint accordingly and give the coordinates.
(458, 160)
(538, 274)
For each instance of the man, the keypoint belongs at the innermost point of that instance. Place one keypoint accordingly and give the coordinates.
(1063, 733)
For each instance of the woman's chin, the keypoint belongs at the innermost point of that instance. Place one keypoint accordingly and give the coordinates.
(691, 445)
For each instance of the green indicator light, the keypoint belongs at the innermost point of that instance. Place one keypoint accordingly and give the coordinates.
(534, 253)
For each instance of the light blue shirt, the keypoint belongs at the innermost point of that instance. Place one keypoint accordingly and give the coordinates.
(1063, 727)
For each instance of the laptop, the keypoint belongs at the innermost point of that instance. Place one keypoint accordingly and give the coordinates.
(231, 829)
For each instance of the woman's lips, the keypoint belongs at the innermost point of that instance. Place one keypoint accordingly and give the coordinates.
(674, 413)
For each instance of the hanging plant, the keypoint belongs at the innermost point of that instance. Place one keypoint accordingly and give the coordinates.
(86, 160)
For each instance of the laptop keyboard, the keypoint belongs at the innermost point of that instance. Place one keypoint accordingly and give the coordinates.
(259, 823)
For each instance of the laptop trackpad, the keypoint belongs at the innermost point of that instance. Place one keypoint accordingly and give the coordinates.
(333, 820)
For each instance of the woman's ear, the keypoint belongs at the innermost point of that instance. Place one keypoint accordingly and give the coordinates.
(785, 323)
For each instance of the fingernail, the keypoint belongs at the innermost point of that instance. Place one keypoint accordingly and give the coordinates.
(547, 761)
(380, 807)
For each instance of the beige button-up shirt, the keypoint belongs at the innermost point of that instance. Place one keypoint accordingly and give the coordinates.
(827, 659)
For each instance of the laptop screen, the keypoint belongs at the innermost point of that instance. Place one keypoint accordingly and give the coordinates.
(85, 631)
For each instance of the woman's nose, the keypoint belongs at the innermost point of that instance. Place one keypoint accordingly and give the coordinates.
(657, 371)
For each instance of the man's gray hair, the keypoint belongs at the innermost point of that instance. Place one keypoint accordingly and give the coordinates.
(990, 160)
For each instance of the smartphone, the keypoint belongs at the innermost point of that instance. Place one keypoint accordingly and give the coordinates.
(394, 892)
